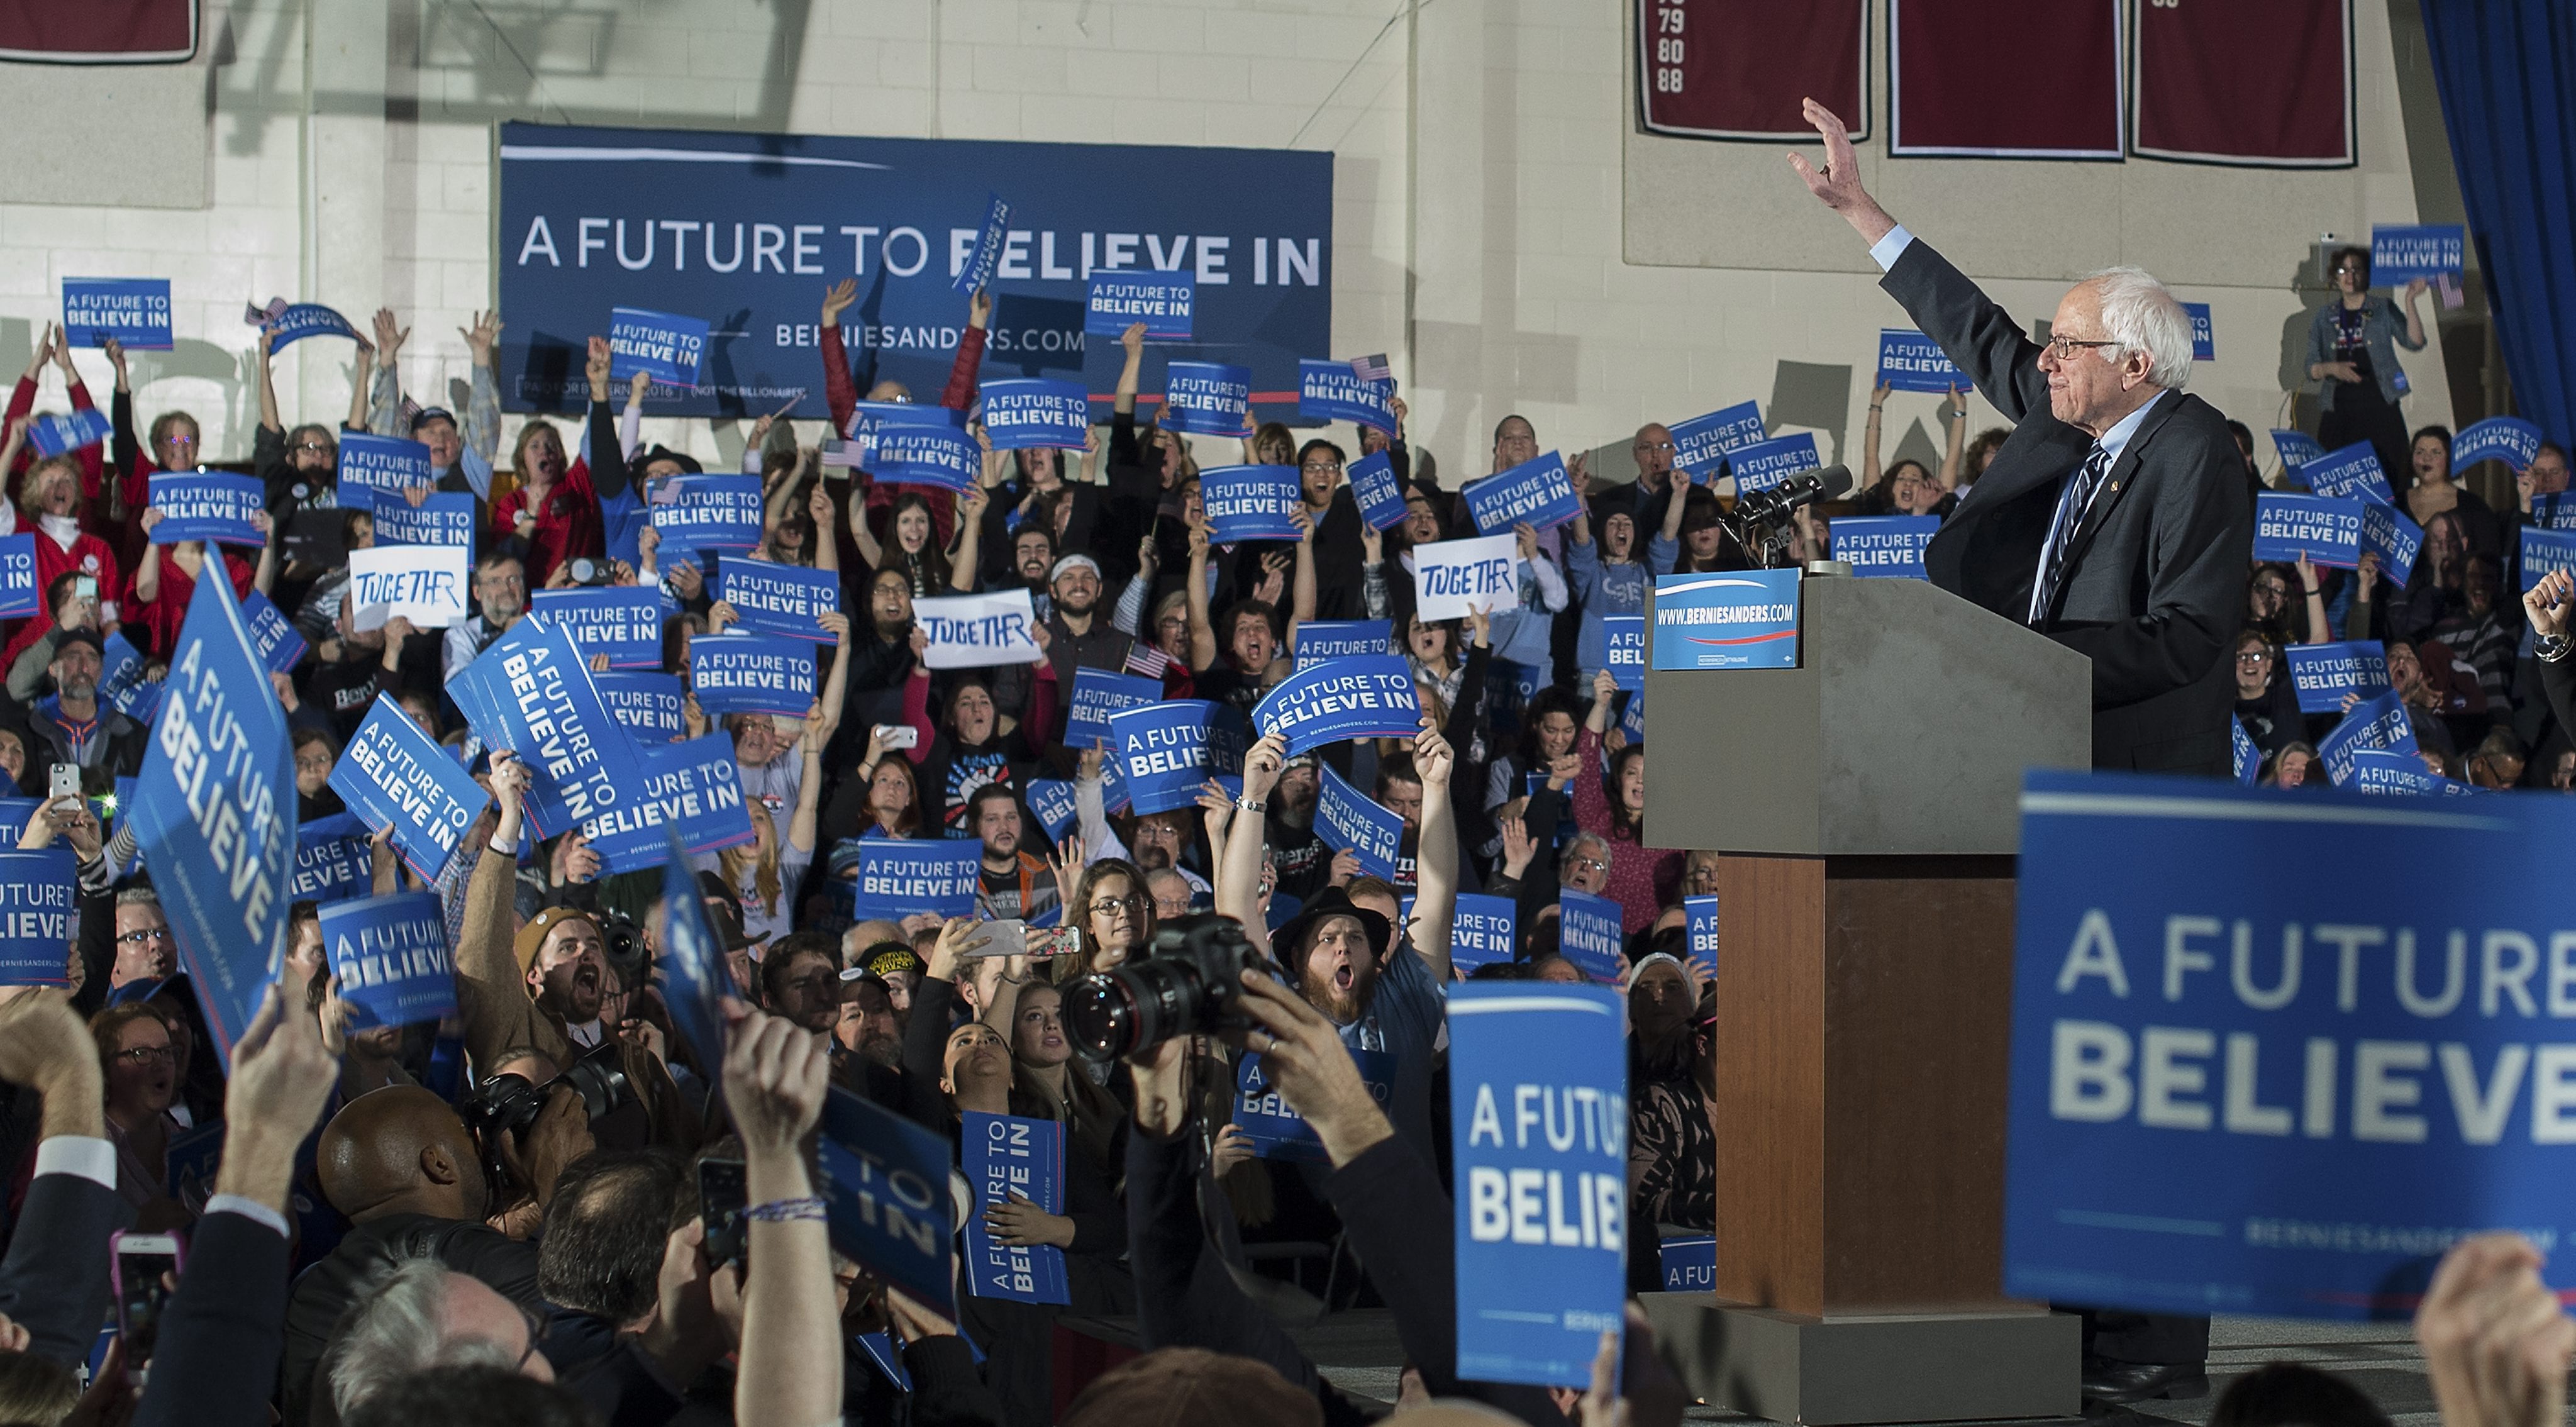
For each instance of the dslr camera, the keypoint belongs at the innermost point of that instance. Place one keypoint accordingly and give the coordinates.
(507, 1105)
(1188, 982)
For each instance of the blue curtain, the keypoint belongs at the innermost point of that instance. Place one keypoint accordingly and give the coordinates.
(2506, 70)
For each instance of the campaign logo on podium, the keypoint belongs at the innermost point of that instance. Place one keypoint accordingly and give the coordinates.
(1747, 619)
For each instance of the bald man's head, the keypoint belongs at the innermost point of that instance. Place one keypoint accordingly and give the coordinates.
(400, 1150)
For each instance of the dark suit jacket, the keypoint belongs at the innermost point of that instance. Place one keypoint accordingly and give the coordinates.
(220, 1337)
(54, 1283)
(2154, 590)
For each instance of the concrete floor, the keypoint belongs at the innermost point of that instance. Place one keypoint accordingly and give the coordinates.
(1358, 1351)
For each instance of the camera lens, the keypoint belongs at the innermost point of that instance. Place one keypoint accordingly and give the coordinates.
(1131, 1008)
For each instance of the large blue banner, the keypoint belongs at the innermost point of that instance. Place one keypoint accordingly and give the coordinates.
(133, 310)
(2348, 473)
(1321, 639)
(1009, 1157)
(392, 775)
(755, 226)
(1538, 493)
(1250, 502)
(1538, 1136)
(1701, 444)
(1588, 932)
(1376, 491)
(445, 518)
(900, 877)
(1910, 361)
(391, 958)
(214, 808)
(529, 691)
(39, 895)
(691, 791)
(885, 1192)
(780, 599)
(1483, 931)
(2399, 254)
(623, 622)
(1208, 398)
(1167, 751)
(2321, 674)
(661, 345)
(1746, 620)
(1369, 696)
(1349, 820)
(1884, 545)
(2327, 531)
(752, 673)
(1273, 1125)
(2380, 722)
(2509, 439)
(19, 597)
(1329, 391)
(653, 707)
(1764, 464)
(1027, 412)
(1118, 301)
(1098, 693)
(2313, 1082)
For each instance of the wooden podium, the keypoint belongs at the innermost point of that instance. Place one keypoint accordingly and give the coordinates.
(1868, 806)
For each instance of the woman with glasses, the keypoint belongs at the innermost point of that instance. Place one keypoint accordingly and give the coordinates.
(299, 469)
(142, 1072)
(1114, 914)
(174, 448)
(2265, 704)
(2352, 356)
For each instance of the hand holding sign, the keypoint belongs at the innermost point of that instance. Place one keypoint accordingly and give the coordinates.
(2496, 1343)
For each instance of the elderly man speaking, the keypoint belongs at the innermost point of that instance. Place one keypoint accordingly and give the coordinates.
(2118, 519)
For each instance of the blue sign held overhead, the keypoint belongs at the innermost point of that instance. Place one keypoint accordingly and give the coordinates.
(1349, 820)
(1745, 620)
(709, 513)
(390, 958)
(1376, 491)
(1028, 412)
(1910, 361)
(2347, 473)
(57, 432)
(651, 706)
(1051, 800)
(2296, 449)
(1119, 300)
(902, 877)
(1541, 1226)
(923, 455)
(39, 895)
(1483, 931)
(214, 808)
(1330, 391)
(1207, 398)
(982, 259)
(1097, 694)
(371, 464)
(2399, 254)
(2396, 540)
(1368, 696)
(2326, 531)
(884, 1185)
(692, 962)
(781, 599)
(1167, 751)
(307, 319)
(1320, 639)
(272, 634)
(1623, 650)
(2509, 439)
(2542, 551)
(752, 673)
(691, 791)
(19, 597)
(1537, 493)
(623, 622)
(392, 775)
(529, 691)
(133, 310)
(1250, 502)
(1590, 935)
(2380, 722)
(1007, 1158)
(2322, 674)
(662, 345)
(1766, 464)
(1703, 443)
(445, 518)
(1884, 545)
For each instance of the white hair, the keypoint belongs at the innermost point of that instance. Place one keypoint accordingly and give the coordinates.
(400, 1330)
(2142, 315)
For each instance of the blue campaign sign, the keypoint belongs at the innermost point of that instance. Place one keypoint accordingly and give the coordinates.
(387, 464)
(39, 894)
(1051, 801)
(751, 226)
(2399, 254)
(870, 419)
(1483, 931)
(985, 257)
(1746, 620)
(1910, 361)
(445, 518)
(1008, 1157)
(1119, 300)
(653, 707)
(623, 622)
(56, 432)
(272, 634)
(1098, 693)
(662, 345)
(2349, 472)
(206, 505)
(1273, 1125)
(709, 513)
(900, 877)
(1026, 412)
(391, 959)
(2204, 340)
(1589, 933)
(1700, 926)
(925, 454)
(2387, 773)
(2542, 551)
(332, 861)
(1884, 545)
(2396, 540)
(1333, 701)
(1349, 820)
(2313, 1082)
(1538, 493)
(2379, 722)
(392, 775)
(1167, 751)
(312, 319)
(1250, 502)
(780, 599)
(752, 673)
(2296, 449)
(1688, 1264)
(121, 680)
(1374, 488)
(1331, 391)
(1702, 444)
(529, 691)
(1538, 1135)
(1632, 720)
(1623, 650)
(1319, 639)
(1207, 398)
(133, 310)
(2245, 757)
(1765, 464)
(2327, 531)
(690, 791)
(19, 597)
(15, 813)
(2509, 439)
(2321, 674)
(214, 808)
(884, 1185)
(692, 963)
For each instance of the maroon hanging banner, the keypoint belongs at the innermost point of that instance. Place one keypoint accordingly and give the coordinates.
(2258, 85)
(1737, 69)
(98, 31)
(2015, 79)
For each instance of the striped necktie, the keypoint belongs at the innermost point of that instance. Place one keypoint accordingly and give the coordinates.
(2072, 502)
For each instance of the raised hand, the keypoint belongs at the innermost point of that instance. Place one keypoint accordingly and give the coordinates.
(2551, 603)
(837, 298)
(596, 366)
(390, 335)
(1432, 756)
(1262, 764)
(1838, 186)
(979, 308)
(2496, 1343)
(482, 336)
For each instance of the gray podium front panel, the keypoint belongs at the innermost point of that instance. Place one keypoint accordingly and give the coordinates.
(1905, 730)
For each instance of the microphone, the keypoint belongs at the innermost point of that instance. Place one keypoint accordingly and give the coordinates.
(1804, 488)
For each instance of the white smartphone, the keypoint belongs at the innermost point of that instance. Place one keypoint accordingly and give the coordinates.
(63, 782)
(891, 736)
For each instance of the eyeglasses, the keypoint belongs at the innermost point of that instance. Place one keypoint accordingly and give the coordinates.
(138, 938)
(322, 447)
(1590, 864)
(2353, 269)
(1319, 467)
(1131, 904)
(2064, 348)
(2254, 656)
(1653, 446)
(149, 1054)
(188, 441)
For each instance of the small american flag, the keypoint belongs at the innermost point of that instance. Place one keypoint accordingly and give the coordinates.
(1148, 661)
(1372, 369)
(254, 315)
